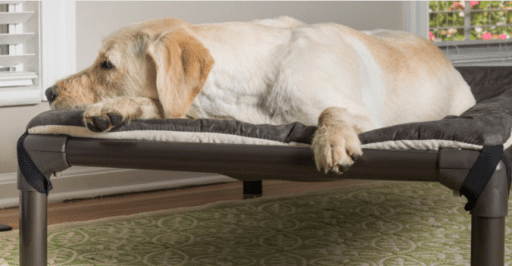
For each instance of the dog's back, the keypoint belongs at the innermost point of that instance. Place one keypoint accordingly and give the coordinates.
(280, 22)
(418, 75)
(281, 70)
(397, 76)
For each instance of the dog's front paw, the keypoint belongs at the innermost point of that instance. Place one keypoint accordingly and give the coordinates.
(99, 118)
(335, 149)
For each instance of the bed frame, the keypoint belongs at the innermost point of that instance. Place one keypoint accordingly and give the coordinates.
(252, 163)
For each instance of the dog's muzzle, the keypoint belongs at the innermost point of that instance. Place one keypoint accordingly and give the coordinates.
(50, 94)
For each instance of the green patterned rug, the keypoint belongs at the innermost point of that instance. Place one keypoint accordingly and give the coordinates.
(376, 223)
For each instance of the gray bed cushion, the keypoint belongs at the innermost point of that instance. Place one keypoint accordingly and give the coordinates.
(295, 132)
(488, 123)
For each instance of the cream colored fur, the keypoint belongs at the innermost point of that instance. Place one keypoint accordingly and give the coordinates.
(273, 71)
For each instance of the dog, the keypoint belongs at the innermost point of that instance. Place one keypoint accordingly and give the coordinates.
(271, 71)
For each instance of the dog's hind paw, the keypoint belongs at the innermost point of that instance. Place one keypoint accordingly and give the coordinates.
(336, 149)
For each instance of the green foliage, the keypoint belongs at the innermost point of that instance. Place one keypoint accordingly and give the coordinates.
(492, 20)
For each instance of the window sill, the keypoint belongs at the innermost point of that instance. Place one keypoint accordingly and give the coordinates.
(20, 96)
(481, 58)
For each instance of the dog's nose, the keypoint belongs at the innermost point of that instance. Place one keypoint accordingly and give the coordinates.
(50, 94)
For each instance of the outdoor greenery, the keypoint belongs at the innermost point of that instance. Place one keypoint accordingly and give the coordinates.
(490, 20)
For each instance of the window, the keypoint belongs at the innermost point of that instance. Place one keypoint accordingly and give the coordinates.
(472, 32)
(19, 47)
(470, 22)
(37, 47)
(18, 27)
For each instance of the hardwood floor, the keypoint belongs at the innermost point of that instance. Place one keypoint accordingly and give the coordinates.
(126, 204)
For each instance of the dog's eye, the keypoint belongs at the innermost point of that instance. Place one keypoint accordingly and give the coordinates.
(107, 65)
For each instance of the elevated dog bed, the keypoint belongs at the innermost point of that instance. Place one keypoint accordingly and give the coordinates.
(468, 154)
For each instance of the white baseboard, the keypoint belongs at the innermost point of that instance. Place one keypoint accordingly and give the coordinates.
(89, 182)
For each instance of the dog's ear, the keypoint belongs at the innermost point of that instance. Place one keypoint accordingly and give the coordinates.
(182, 65)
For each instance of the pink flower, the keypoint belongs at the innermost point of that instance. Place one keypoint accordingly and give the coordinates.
(431, 36)
(473, 3)
(503, 36)
(461, 3)
(486, 36)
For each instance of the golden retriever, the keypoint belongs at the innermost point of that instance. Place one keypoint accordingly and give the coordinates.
(273, 71)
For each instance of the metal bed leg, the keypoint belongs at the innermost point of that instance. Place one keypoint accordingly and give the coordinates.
(253, 189)
(33, 224)
(487, 240)
(33, 228)
(488, 222)
(488, 214)
(47, 153)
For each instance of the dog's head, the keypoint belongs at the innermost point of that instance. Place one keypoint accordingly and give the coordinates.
(158, 59)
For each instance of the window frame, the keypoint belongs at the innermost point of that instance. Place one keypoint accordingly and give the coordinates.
(417, 22)
(57, 51)
(416, 18)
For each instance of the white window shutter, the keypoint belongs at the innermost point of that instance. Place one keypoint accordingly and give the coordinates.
(19, 65)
